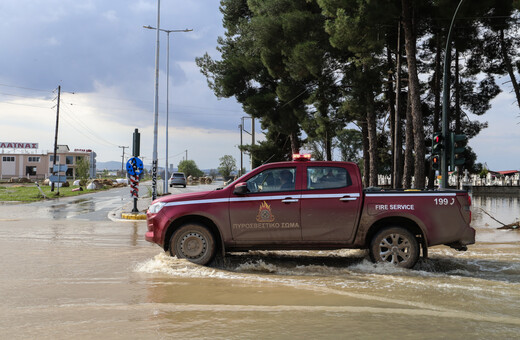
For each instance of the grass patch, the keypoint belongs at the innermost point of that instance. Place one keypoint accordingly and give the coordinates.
(30, 192)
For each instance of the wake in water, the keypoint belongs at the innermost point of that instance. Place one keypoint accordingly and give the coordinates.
(343, 263)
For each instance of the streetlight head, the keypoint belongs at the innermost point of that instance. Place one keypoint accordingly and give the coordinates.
(149, 27)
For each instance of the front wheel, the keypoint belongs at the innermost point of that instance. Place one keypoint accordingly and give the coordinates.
(395, 245)
(194, 243)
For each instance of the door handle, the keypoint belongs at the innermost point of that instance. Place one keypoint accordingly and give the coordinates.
(290, 200)
(347, 198)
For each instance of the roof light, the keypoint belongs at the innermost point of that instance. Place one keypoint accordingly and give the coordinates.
(301, 157)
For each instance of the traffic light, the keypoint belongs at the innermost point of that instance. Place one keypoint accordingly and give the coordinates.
(437, 143)
(436, 161)
(457, 147)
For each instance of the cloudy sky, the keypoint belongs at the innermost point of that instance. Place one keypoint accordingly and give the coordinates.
(104, 60)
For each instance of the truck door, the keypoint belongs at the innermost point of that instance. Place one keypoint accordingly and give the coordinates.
(330, 205)
(270, 210)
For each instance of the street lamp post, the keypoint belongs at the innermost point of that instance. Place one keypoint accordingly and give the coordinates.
(446, 103)
(165, 187)
(156, 106)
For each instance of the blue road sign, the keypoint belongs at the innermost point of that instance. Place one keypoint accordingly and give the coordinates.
(60, 168)
(58, 179)
(134, 166)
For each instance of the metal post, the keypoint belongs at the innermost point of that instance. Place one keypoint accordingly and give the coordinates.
(156, 106)
(397, 120)
(252, 140)
(241, 153)
(136, 150)
(252, 134)
(165, 187)
(446, 103)
(167, 98)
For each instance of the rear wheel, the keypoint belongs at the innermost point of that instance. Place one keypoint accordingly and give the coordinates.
(395, 245)
(194, 243)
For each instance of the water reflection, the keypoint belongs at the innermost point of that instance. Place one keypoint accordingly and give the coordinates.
(491, 212)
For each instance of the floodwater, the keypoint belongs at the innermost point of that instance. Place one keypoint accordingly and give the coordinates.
(65, 276)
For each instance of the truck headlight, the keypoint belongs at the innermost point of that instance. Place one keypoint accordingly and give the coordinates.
(156, 207)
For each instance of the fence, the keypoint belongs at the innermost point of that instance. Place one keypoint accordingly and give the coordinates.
(466, 180)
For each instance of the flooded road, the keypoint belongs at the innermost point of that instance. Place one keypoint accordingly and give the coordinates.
(77, 274)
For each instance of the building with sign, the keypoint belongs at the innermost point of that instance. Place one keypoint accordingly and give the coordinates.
(25, 160)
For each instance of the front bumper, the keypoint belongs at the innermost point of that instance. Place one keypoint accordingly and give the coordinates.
(149, 236)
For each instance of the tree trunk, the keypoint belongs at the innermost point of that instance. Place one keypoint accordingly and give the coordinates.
(415, 93)
(295, 142)
(408, 149)
(509, 66)
(372, 138)
(437, 84)
(366, 159)
(328, 146)
(395, 126)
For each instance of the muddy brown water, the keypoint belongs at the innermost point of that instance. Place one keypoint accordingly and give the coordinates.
(68, 277)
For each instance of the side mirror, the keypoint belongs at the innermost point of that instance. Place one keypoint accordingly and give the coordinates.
(240, 188)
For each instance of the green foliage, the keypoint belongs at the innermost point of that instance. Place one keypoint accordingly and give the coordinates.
(227, 164)
(82, 169)
(276, 148)
(350, 144)
(31, 193)
(189, 167)
(310, 67)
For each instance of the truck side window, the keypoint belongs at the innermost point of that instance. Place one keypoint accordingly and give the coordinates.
(281, 179)
(325, 177)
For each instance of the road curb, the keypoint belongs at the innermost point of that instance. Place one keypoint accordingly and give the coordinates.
(133, 216)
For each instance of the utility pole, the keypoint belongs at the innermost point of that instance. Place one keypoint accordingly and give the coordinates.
(56, 133)
(252, 134)
(123, 159)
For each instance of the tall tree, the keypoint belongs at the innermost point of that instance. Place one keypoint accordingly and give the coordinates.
(410, 36)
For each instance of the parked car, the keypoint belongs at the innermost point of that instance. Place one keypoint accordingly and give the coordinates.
(310, 205)
(178, 178)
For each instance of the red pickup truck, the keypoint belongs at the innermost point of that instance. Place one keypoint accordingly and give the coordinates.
(310, 205)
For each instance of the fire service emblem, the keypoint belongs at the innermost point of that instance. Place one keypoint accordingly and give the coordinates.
(264, 213)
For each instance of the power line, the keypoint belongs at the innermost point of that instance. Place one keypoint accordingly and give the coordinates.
(85, 127)
(26, 88)
(40, 107)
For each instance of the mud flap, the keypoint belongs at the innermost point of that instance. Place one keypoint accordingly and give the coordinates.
(424, 249)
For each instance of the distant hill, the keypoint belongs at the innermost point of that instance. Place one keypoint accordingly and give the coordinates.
(115, 165)
(111, 165)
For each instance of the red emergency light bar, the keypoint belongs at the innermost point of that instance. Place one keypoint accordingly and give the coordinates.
(301, 157)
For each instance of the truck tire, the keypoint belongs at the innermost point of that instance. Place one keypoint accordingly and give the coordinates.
(395, 245)
(194, 243)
